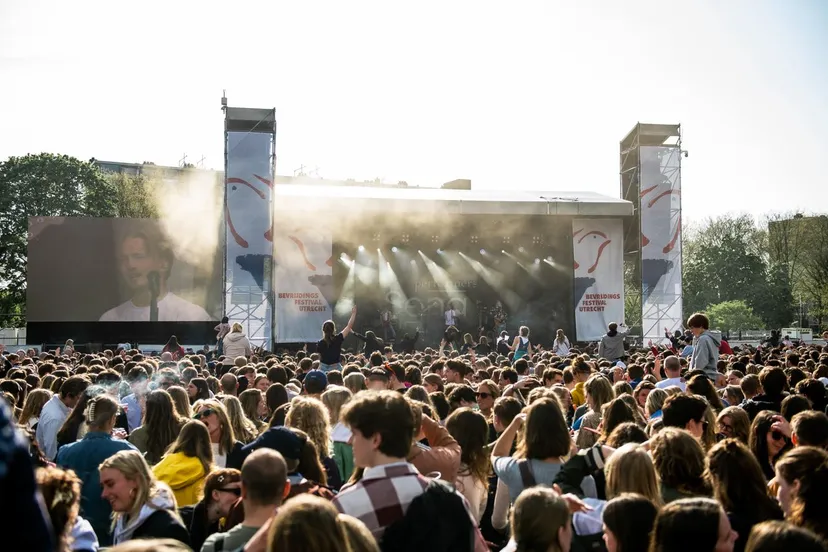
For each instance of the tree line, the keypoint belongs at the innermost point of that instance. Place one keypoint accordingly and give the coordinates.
(749, 273)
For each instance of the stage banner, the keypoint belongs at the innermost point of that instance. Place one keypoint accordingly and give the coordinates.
(599, 276)
(249, 246)
(660, 208)
(302, 277)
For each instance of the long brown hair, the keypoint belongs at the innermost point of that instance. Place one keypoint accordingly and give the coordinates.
(311, 416)
(808, 466)
(738, 482)
(739, 421)
(194, 441)
(34, 404)
(328, 331)
(701, 385)
(161, 422)
(471, 431)
(243, 428)
(545, 432)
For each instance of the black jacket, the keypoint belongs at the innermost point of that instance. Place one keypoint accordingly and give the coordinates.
(236, 456)
(408, 345)
(162, 525)
(197, 524)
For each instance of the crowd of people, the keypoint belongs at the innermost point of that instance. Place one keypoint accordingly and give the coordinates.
(521, 447)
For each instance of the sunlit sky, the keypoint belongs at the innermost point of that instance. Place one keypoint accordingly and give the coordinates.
(515, 95)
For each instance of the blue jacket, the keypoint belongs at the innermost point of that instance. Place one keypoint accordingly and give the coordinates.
(84, 457)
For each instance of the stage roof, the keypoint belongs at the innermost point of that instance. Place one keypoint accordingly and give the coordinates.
(293, 197)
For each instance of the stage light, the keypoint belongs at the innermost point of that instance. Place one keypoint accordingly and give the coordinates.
(439, 251)
(537, 261)
(482, 251)
(394, 249)
(503, 251)
(361, 248)
(522, 249)
(549, 258)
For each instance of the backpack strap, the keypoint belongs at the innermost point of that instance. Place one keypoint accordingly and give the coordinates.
(526, 476)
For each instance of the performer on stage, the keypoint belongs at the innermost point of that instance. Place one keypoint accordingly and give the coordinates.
(450, 317)
(388, 332)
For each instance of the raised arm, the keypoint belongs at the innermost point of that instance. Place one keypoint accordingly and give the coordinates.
(350, 327)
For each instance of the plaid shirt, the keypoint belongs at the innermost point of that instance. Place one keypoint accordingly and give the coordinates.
(384, 494)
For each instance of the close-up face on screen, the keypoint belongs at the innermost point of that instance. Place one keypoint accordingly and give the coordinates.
(119, 270)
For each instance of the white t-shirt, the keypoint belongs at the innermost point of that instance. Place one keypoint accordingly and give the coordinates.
(171, 308)
(450, 317)
(663, 384)
(220, 460)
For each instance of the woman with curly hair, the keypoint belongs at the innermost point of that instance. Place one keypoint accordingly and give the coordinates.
(160, 428)
(802, 475)
(309, 415)
(61, 494)
(471, 431)
(679, 461)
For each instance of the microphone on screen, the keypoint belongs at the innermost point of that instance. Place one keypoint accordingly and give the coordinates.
(154, 281)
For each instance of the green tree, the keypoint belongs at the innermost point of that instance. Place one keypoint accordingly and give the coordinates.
(42, 185)
(135, 195)
(733, 316)
(726, 260)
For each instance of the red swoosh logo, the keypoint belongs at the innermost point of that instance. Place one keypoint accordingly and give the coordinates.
(301, 247)
(593, 233)
(663, 194)
(239, 240)
(648, 190)
(598, 257)
(244, 182)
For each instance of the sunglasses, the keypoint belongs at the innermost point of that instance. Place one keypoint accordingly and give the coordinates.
(203, 413)
(233, 491)
(483, 395)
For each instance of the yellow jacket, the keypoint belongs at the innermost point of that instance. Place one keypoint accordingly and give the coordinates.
(578, 395)
(184, 474)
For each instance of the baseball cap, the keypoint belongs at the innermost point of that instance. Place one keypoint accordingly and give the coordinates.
(280, 439)
(315, 379)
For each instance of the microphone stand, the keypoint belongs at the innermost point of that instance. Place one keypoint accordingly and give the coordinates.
(154, 288)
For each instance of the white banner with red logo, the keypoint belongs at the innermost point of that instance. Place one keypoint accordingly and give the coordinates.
(302, 277)
(598, 293)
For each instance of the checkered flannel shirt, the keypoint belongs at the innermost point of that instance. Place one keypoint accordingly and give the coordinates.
(384, 494)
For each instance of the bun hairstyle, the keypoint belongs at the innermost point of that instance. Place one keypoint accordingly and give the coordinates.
(100, 410)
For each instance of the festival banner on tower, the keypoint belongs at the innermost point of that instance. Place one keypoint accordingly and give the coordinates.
(302, 277)
(599, 276)
(660, 208)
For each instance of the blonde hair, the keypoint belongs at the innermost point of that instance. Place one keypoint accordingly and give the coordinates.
(630, 470)
(357, 535)
(307, 522)
(134, 468)
(237, 328)
(334, 398)
(228, 436)
(310, 415)
(100, 410)
(34, 404)
(355, 382)
(243, 428)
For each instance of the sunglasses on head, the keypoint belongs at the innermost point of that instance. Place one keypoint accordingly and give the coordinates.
(204, 413)
(483, 395)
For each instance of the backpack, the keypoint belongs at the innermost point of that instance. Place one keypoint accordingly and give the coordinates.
(442, 510)
(580, 543)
